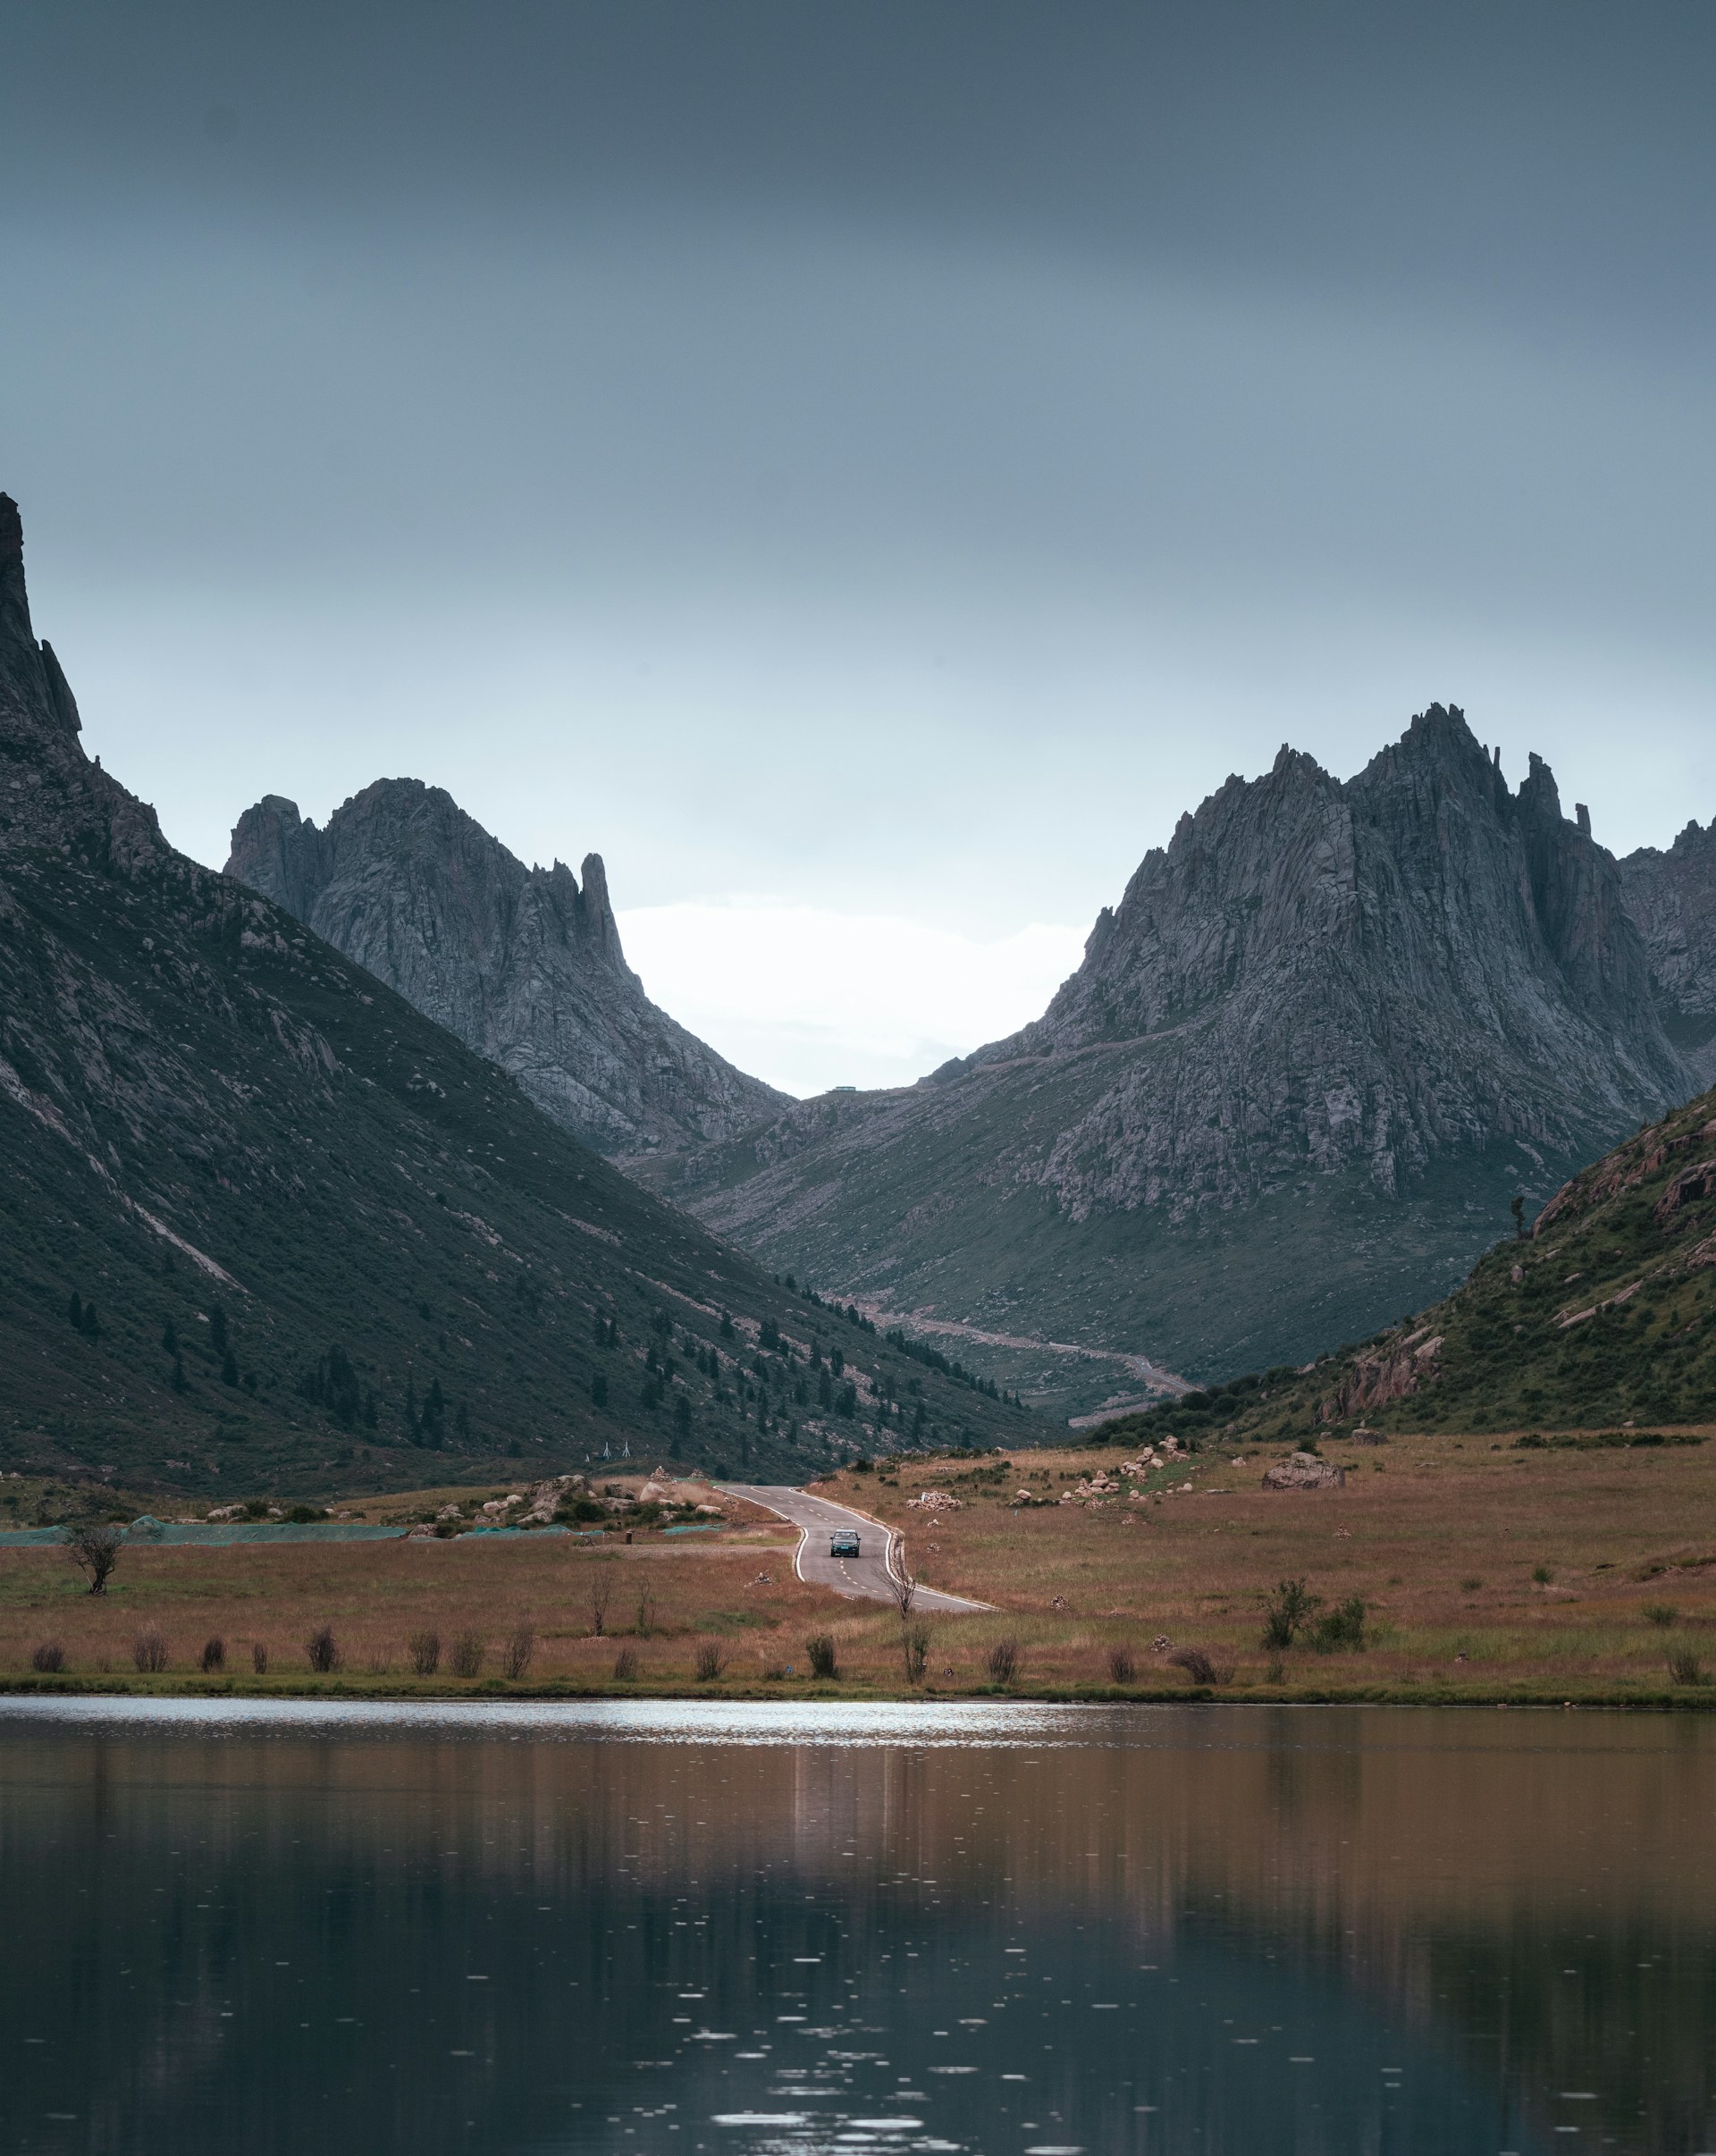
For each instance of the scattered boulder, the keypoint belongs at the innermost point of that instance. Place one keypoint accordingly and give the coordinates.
(1361, 1436)
(1304, 1471)
(936, 1501)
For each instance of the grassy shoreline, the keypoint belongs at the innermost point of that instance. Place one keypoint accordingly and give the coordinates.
(492, 1691)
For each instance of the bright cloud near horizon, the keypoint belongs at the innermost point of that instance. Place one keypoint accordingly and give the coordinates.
(808, 999)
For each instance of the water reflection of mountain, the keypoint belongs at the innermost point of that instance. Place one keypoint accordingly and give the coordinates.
(263, 1938)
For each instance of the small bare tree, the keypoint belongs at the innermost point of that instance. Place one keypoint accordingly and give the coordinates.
(914, 1647)
(213, 1657)
(902, 1580)
(424, 1650)
(710, 1661)
(601, 1593)
(516, 1656)
(94, 1551)
(625, 1664)
(259, 1657)
(468, 1651)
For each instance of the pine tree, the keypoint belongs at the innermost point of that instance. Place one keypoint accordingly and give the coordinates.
(169, 1338)
(74, 1312)
(181, 1383)
(230, 1369)
(217, 1328)
(682, 1418)
(599, 1390)
(463, 1423)
(413, 1435)
(91, 1329)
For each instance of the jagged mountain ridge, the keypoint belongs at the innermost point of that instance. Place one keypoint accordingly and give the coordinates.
(309, 1234)
(1328, 1033)
(524, 964)
(1670, 898)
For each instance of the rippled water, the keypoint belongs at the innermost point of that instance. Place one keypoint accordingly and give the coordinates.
(996, 1929)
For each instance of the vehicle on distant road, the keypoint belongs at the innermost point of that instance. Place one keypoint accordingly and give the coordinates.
(844, 1545)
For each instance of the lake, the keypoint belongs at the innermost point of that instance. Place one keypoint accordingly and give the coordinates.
(266, 1927)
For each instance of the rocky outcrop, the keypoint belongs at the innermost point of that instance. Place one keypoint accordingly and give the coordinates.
(1328, 1033)
(1670, 898)
(1304, 1471)
(524, 964)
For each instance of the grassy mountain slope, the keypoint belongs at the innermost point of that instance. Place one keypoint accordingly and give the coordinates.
(319, 1234)
(1603, 1318)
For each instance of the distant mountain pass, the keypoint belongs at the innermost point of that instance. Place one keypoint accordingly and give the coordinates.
(1328, 1034)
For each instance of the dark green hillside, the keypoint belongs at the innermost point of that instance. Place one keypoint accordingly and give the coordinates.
(1601, 1320)
(267, 1228)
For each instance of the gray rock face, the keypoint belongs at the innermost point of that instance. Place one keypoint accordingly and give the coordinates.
(1304, 1471)
(1670, 898)
(524, 964)
(1326, 1035)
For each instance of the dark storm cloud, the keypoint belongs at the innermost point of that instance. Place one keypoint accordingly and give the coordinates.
(1056, 404)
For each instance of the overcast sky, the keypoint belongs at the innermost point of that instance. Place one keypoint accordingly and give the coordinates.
(863, 468)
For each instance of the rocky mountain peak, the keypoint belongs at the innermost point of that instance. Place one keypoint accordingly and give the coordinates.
(526, 965)
(51, 795)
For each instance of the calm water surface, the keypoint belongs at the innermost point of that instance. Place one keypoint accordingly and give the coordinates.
(1008, 1931)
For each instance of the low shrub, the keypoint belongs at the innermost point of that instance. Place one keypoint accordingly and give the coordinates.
(1684, 1667)
(820, 1653)
(467, 1655)
(1288, 1610)
(710, 1661)
(48, 1658)
(1003, 1661)
(1198, 1666)
(259, 1657)
(914, 1648)
(425, 1650)
(1344, 1628)
(1122, 1666)
(517, 1655)
(625, 1664)
(150, 1651)
(213, 1655)
(324, 1650)
(1661, 1614)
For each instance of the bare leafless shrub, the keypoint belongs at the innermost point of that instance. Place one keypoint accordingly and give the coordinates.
(820, 1653)
(601, 1593)
(324, 1650)
(94, 1551)
(49, 1658)
(1122, 1666)
(1684, 1667)
(626, 1665)
(644, 1623)
(1003, 1661)
(710, 1661)
(516, 1654)
(424, 1650)
(1199, 1666)
(259, 1657)
(467, 1655)
(150, 1651)
(213, 1655)
(914, 1650)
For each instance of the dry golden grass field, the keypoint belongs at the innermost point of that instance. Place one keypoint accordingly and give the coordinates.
(1485, 1572)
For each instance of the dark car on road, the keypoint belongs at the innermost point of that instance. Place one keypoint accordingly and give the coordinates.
(844, 1545)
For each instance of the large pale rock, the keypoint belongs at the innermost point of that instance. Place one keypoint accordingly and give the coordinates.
(1304, 1471)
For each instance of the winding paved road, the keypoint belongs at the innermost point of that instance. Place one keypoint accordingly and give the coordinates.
(866, 1578)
